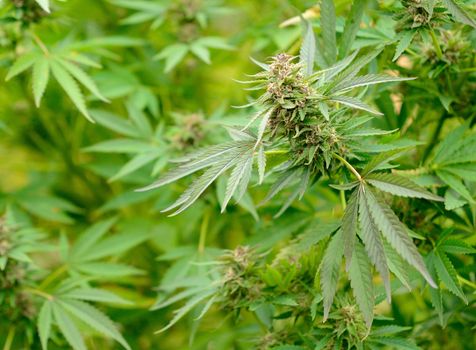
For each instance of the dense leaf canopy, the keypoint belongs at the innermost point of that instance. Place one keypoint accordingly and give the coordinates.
(206, 174)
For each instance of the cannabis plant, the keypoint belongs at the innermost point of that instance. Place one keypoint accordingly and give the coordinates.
(197, 174)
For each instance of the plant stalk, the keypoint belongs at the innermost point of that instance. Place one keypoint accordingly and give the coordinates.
(349, 166)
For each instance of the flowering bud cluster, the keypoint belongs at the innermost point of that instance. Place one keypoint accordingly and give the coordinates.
(296, 116)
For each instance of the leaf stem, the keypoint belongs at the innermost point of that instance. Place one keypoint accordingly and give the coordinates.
(203, 232)
(39, 293)
(40, 44)
(342, 199)
(58, 272)
(9, 339)
(349, 166)
(276, 151)
(465, 281)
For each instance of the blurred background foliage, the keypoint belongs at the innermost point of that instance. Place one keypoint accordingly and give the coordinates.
(169, 79)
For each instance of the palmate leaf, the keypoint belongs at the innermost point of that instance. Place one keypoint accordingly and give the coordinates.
(61, 308)
(63, 60)
(199, 160)
(218, 159)
(360, 276)
(395, 232)
(329, 270)
(65, 74)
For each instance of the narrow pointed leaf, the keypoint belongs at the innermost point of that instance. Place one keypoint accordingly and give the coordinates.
(44, 324)
(40, 77)
(360, 275)
(329, 271)
(448, 275)
(308, 49)
(241, 167)
(403, 43)
(351, 26)
(373, 244)
(349, 226)
(261, 159)
(22, 64)
(328, 29)
(400, 186)
(68, 328)
(354, 103)
(397, 265)
(366, 80)
(83, 78)
(70, 87)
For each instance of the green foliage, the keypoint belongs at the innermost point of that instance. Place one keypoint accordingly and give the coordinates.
(316, 166)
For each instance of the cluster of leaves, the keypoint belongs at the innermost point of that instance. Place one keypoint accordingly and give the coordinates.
(188, 18)
(347, 177)
(276, 289)
(59, 296)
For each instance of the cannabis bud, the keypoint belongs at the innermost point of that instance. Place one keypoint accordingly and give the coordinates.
(239, 285)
